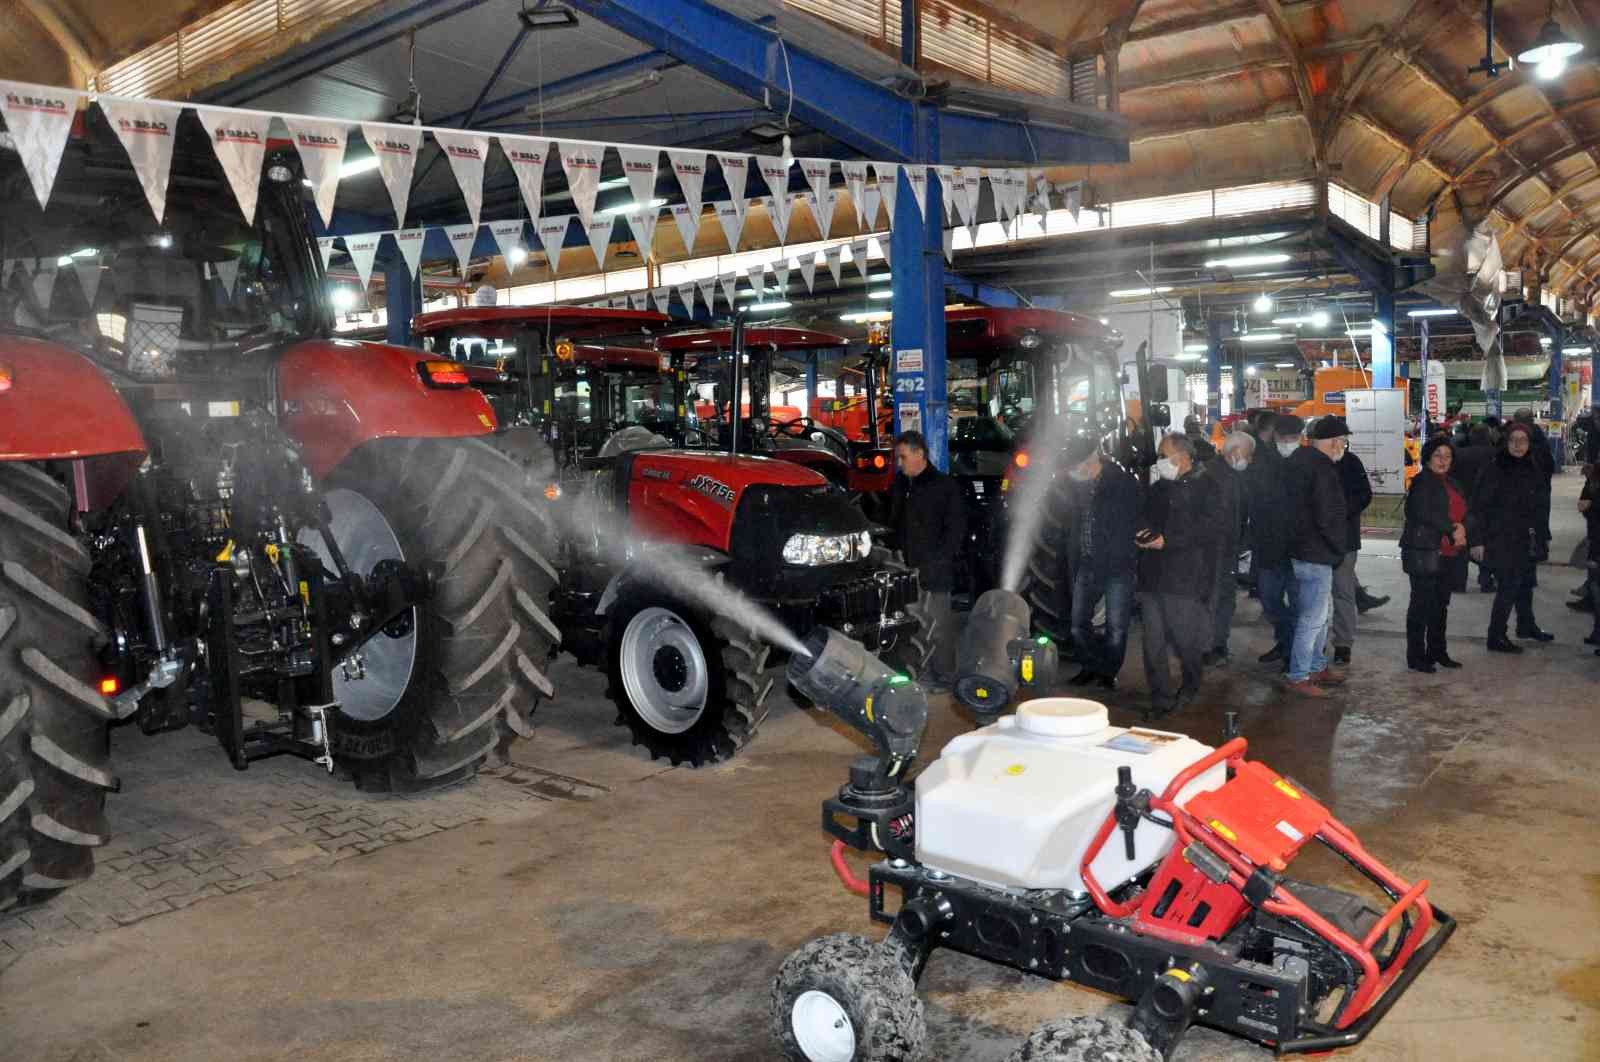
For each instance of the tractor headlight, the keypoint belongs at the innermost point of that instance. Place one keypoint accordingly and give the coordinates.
(813, 550)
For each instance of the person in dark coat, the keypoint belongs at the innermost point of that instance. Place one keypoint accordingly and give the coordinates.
(1465, 468)
(1433, 545)
(929, 518)
(1228, 469)
(1357, 496)
(1318, 542)
(1104, 506)
(1589, 506)
(1195, 431)
(1176, 572)
(1267, 514)
(1506, 531)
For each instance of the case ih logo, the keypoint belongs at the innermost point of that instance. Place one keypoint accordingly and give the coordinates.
(518, 155)
(141, 125)
(461, 151)
(316, 140)
(637, 167)
(21, 101)
(238, 136)
(395, 147)
(733, 164)
(712, 488)
(689, 167)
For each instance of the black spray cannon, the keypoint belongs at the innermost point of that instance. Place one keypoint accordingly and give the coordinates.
(891, 710)
(998, 657)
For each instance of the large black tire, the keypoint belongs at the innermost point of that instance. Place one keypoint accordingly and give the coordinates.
(1085, 1039)
(871, 984)
(913, 647)
(54, 742)
(736, 684)
(1046, 582)
(476, 518)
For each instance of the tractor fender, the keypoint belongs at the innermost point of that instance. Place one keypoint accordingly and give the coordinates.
(56, 404)
(657, 566)
(336, 394)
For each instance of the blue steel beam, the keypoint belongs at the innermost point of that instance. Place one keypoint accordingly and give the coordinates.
(757, 61)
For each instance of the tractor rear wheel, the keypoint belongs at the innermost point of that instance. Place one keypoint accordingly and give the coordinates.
(844, 998)
(1085, 1039)
(1046, 583)
(437, 688)
(690, 688)
(54, 742)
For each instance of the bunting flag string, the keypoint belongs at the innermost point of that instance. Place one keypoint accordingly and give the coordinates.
(239, 139)
(688, 220)
(527, 155)
(461, 239)
(690, 169)
(395, 147)
(410, 242)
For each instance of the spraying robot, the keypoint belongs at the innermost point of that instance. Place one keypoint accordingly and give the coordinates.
(1138, 862)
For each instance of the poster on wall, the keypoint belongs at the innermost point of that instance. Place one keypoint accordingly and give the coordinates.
(1377, 419)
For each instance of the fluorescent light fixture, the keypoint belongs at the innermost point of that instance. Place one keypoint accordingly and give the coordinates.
(1359, 332)
(1245, 260)
(1263, 304)
(343, 299)
(1250, 370)
(1576, 350)
(517, 256)
(1283, 365)
(885, 294)
(628, 208)
(880, 278)
(1291, 320)
(1430, 313)
(1195, 348)
(866, 316)
(1261, 337)
(779, 304)
(600, 93)
(1187, 357)
(365, 164)
(1317, 319)
(1134, 293)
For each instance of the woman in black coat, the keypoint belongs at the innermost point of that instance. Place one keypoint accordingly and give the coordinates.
(1508, 534)
(1433, 553)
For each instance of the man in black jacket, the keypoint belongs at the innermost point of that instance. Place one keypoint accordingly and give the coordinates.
(1508, 530)
(1357, 496)
(929, 518)
(1101, 556)
(1466, 468)
(1269, 527)
(1228, 469)
(1177, 570)
(1318, 541)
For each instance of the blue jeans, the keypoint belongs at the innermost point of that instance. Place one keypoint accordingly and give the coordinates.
(1313, 597)
(1275, 584)
(1103, 656)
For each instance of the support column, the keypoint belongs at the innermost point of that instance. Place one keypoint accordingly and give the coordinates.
(399, 299)
(1558, 390)
(1383, 339)
(918, 365)
(811, 382)
(1214, 337)
(1427, 414)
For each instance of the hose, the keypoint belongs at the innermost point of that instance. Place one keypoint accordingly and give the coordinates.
(846, 875)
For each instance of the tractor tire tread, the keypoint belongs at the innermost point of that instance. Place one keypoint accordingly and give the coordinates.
(871, 981)
(1085, 1039)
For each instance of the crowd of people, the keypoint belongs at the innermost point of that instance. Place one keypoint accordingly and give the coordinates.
(1291, 492)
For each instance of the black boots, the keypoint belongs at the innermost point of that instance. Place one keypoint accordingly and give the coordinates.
(1499, 643)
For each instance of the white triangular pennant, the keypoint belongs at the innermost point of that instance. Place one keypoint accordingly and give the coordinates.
(883, 248)
(527, 155)
(146, 129)
(581, 162)
(818, 173)
(888, 185)
(599, 232)
(730, 284)
(970, 194)
(732, 218)
(635, 299)
(461, 238)
(639, 166)
(1000, 187)
(832, 255)
(948, 183)
(808, 271)
(917, 177)
(642, 224)
(363, 250)
(321, 145)
(410, 242)
(88, 270)
(858, 255)
(822, 208)
(662, 297)
(690, 168)
(855, 182)
(735, 171)
(1074, 199)
(708, 292)
(239, 139)
(39, 120)
(508, 237)
(553, 236)
(325, 245)
(775, 171)
(950, 246)
(874, 204)
(395, 147)
(468, 153)
(688, 223)
(44, 285)
(758, 276)
(779, 216)
(781, 268)
(227, 271)
(686, 295)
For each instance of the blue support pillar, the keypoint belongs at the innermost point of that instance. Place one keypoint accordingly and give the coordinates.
(811, 382)
(1215, 327)
(400, 299)
(1383, 339)
(917, 249)
(1557, 384)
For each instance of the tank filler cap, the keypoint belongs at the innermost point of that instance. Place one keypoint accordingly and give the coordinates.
(1062, 717)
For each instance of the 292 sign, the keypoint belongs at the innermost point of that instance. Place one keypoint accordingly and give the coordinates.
(910, 385)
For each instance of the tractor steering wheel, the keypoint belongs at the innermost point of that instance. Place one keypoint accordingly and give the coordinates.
(799, 428)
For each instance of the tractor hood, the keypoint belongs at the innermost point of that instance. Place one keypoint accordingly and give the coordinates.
(56, 403)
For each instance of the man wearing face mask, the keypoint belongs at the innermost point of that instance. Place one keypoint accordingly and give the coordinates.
(1177, 570)
(1105, 501)
(1508, 531)
(1268, 515)
(1318, 541)
(1228, 469)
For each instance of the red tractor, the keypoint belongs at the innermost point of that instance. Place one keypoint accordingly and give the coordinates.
(213, 514)
(671, 530)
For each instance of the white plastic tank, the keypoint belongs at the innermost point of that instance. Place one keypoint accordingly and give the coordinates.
(1016, 804)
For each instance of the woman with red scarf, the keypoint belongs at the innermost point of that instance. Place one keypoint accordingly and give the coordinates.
(1433, 552)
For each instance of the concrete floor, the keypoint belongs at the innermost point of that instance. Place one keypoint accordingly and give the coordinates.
(647, 923)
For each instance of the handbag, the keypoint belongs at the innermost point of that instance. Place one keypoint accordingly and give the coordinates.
(1419, 560)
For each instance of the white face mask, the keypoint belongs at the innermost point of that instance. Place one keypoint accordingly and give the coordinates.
(1287, 449)
(1166, 468)
(1239, 464)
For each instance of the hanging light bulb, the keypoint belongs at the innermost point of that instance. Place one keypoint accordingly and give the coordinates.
(1263, 304)
(1550, 44)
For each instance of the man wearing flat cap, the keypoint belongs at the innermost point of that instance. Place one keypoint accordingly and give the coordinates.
(1318, 538)
(1102, 557)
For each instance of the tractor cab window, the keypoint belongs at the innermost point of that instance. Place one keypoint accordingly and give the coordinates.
(156, 300)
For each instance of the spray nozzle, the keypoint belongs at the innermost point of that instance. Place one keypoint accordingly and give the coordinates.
(998, 657)
(889, 708)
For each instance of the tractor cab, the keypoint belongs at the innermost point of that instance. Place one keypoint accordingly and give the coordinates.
(557, 368)
(775, 364)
